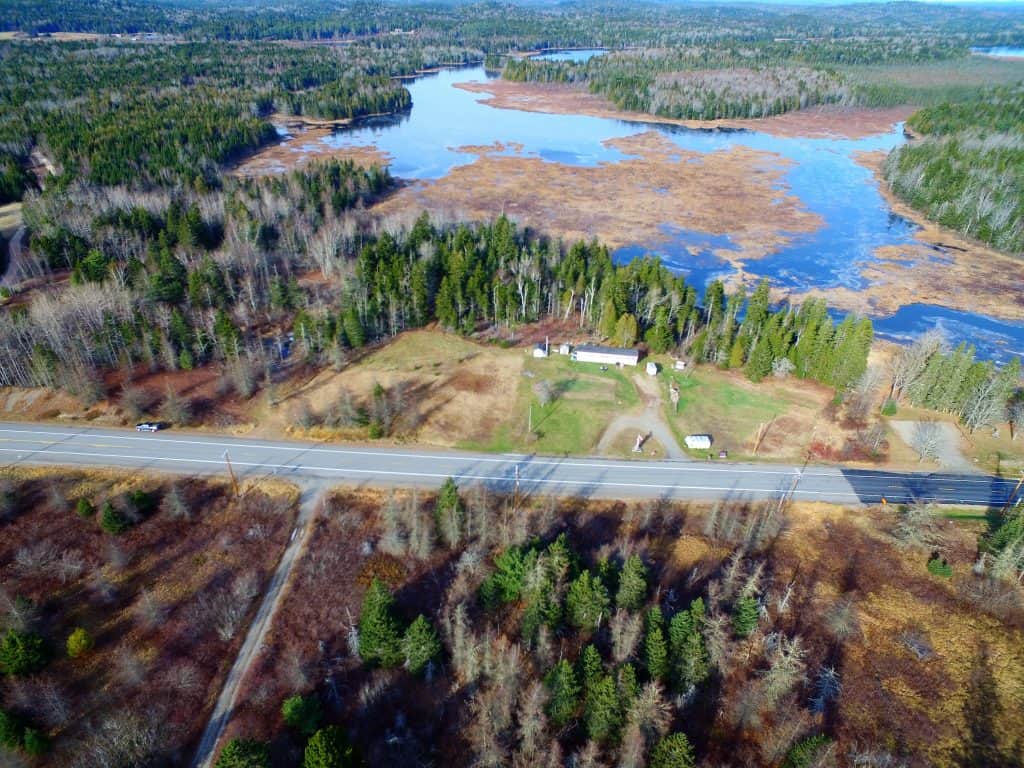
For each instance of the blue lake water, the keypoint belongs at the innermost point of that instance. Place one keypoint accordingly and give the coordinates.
(823, 174)
(1001, 51)
(577, 56)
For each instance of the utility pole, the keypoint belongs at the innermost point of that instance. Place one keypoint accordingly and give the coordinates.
(231, 472)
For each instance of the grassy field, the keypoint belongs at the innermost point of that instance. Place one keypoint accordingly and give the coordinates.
(585, 400)
(732, 410)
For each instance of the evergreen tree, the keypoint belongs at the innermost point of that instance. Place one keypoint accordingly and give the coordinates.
(673, 751)
(760, 364)
(243, 753)
(22, 653)
(591, 667)
(79, 643)
(655, 648)
(112, 520)
(587, 601)
(563, 693)
(11, 730)
(603, 712)
(626, 331)
(745, 614)
(659, 336)
(379, 636)
(632, 584)
(329, 748)
(420, 645)
(449, 513)
(626, 684)
(303, 713)
(609, 320)
(355, 335)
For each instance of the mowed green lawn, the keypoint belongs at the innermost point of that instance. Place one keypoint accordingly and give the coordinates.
(585, 402)
(712, 402)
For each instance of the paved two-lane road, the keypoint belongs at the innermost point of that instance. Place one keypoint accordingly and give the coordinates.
(187, 453)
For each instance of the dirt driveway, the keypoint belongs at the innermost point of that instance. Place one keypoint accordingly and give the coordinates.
(649, 422)
(949, 456)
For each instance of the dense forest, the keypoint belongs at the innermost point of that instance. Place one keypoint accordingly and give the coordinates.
(967, 170)
(155, 114)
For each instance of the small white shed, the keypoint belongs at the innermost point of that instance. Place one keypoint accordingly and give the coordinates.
(697, 442)
(564, 349)
(652, 368)
(540, 350)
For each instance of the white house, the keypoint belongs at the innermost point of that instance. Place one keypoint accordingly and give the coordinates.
(697, 442)
(591, 353)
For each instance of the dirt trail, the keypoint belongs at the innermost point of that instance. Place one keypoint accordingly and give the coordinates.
(649, 421)
(12, 274)
(309, 502)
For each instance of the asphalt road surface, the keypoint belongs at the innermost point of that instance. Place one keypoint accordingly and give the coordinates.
(186, 453)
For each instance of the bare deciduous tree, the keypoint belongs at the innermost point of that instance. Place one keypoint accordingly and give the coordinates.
(926, 439)
(918, 526)
(626, 629)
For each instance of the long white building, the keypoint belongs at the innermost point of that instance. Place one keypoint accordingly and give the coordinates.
(592, 353)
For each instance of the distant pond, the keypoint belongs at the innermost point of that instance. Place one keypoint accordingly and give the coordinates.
(424, 145)
(1001, 51)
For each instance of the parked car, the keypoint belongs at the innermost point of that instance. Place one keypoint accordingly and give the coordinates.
(150, 426)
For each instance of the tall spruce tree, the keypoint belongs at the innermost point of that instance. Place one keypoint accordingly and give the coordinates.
(379, 634)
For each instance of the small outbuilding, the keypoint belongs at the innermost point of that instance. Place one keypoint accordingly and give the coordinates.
(652, 368)
(540, 350)
(592, 353)
(697, 442)
(679, 365)
(564, 348)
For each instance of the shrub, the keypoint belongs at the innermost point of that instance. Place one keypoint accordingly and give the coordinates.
(112, 520)
(79, 642)
(22, 653)
(938, 566)
(303, 713)
(329, 748)
(243, 753)
(85, 508)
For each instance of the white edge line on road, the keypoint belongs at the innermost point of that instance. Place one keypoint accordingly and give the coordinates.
(441, 475)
